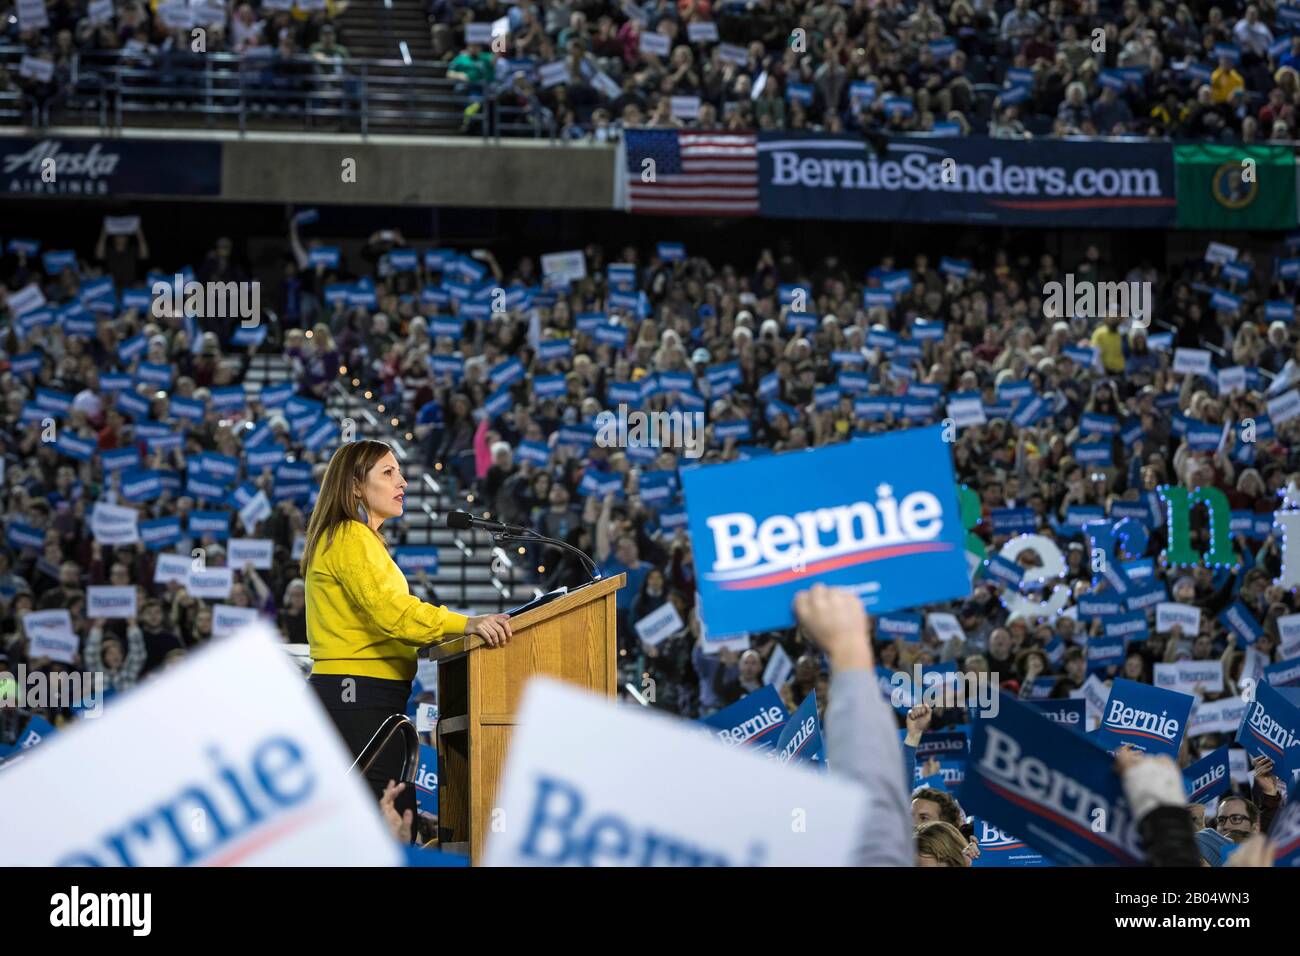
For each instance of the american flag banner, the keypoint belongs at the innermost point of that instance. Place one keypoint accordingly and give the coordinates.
(694, 173)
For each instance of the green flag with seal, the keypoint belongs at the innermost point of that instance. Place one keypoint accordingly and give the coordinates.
(1235, 187)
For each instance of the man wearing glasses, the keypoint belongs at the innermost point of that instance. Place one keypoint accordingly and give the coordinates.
(1237, 819)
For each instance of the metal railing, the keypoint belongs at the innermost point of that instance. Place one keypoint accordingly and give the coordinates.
(410, 747)
(227, 90)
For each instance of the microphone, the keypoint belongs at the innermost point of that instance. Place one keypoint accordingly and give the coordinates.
(463, 520)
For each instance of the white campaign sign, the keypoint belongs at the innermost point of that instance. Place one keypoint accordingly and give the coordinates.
(606, 87)
(256, 508)
(255, 551)
(426, 718)
(426, 674)
(172, 567)
(656, 44)
(1238, 765)
(26, 299)
(1167, 677)
(661, 623)
(1219, 253)
(640, 789)
(945, 626)
(34, 68)
(565, 265)
(118, 225)
(1288, 628)
(273, 770)
(553, 74)
(1232, 380)
(779, 667)
(1216, 716)
(965, 412)
(1169, 613)
(1253, 665)
(1095, 694)
(32, 15)
(110, 602)
(685, 107)
(1194, 361)
(175, 15)
(730, 53)
(1186, 676)
(114, 524)
(1284, 407)
(227, 619)
(702, 31)
(212, 583)
(49, 634)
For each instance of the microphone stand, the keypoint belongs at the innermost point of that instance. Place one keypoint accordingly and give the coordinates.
(527, 534)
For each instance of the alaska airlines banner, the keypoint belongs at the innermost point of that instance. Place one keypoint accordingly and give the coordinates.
(877, 515)
(72, 166)
(1009, 182)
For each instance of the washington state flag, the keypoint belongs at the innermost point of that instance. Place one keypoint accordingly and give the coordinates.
(1235, 187)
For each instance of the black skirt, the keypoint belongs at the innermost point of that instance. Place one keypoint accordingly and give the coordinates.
(358, 710)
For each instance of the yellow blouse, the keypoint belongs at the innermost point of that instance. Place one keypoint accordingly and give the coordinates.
(362, 618)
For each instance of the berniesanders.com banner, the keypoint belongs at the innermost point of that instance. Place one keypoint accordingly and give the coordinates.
(876, 515)
(1008, 182)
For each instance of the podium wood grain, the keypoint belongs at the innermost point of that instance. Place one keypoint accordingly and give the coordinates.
(573, 639)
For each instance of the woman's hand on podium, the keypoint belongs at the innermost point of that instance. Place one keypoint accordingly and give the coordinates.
(493, 628)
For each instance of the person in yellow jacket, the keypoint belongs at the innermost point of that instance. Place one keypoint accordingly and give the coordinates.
(364, 626)
(1108, 339)
(1225, 81)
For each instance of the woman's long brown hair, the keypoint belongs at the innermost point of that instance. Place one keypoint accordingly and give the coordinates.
(337, 501)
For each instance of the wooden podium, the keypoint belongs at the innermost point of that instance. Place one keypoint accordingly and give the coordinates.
(573, 638)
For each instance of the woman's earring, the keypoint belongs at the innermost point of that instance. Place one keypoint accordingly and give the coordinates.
(361, 511)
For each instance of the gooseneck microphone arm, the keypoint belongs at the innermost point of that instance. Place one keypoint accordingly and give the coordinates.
(588, 565)
(461, 520)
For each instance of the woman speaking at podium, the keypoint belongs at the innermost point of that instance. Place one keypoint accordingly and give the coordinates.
(364, 626)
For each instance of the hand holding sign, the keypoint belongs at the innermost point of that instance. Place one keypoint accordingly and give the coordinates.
(1264, 776)
(836, 622)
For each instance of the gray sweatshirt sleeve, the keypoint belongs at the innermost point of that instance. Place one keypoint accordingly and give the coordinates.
(862, 743)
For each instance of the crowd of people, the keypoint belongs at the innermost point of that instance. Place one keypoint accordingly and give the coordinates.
(589, 69)
(1010, 69)
(498, 371)
(284, 47)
